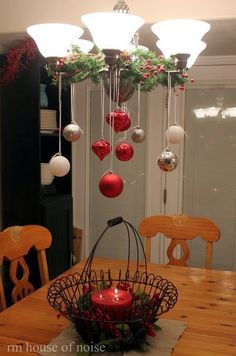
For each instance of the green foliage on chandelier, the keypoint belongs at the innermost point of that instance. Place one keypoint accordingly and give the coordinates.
(150, 70)
(142, 67)
(80, 66)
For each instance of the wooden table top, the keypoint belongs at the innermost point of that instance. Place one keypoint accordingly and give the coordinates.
(206, 303)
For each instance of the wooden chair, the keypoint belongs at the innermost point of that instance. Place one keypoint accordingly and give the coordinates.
(180, 229)
(15, 243)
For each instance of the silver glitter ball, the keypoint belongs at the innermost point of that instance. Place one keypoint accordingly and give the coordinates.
(72, 132)
(167, 161)
(138, 135)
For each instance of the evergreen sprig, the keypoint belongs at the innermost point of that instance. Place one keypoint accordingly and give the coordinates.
(142, 67)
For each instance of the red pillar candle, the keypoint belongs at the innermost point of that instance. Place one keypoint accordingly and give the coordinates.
(114, 302)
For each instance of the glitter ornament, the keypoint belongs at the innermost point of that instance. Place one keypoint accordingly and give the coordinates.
(119, 120)
(101, 148)
(124, 151)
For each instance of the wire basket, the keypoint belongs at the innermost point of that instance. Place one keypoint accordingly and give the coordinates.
(118, 308)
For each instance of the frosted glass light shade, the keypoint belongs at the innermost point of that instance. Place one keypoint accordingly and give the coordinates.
(200, 113)
(231, 112)
(189, 30)
(212, 111)
(169, 47)
(112, 30)
(54, 39)
(84, 45)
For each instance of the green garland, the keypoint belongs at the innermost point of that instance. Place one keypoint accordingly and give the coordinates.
(144, 68)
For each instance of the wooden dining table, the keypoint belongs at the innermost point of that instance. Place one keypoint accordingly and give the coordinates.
(206, 303)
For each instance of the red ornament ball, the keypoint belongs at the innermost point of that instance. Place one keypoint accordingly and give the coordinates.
(119, 120)
(101, 148)
(111, 185)
(124, 151)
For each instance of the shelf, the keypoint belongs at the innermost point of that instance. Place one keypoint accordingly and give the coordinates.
(49, 133)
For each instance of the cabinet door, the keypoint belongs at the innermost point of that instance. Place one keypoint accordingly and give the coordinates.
(57, 217)
(20, 149)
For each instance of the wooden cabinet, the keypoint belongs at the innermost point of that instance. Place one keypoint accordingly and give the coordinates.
(23, 148)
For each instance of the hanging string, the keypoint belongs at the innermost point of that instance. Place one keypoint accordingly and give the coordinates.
(125, 109)
(60, 115)
(112, 123)
(168, 105)
(175, 114)
(72, 93)
(139, 97)
(72, 106)
(117, 84)
(102, 108)
(175, 109)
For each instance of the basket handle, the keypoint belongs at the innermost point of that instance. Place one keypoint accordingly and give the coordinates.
(130, 229)
(115, 221)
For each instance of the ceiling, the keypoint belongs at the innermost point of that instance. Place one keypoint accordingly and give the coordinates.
(221, 39)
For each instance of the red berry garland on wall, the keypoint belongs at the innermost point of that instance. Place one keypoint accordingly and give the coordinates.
(16, 59)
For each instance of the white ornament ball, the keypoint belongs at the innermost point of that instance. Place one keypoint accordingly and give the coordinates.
(175, 134)
(138, 135)
(59, 166)
(72, 132)
(167, 161)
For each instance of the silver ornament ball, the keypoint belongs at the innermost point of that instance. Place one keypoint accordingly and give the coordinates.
(167, 161)
(138, 135)
(72, 132)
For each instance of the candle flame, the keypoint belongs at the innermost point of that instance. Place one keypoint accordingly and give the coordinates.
(100, 296)
(116, 291)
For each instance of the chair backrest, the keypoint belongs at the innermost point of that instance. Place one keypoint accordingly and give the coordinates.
(180, 228)
(15, 243)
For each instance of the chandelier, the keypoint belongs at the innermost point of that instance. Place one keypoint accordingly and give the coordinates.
(121, 66)
(112, 32)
